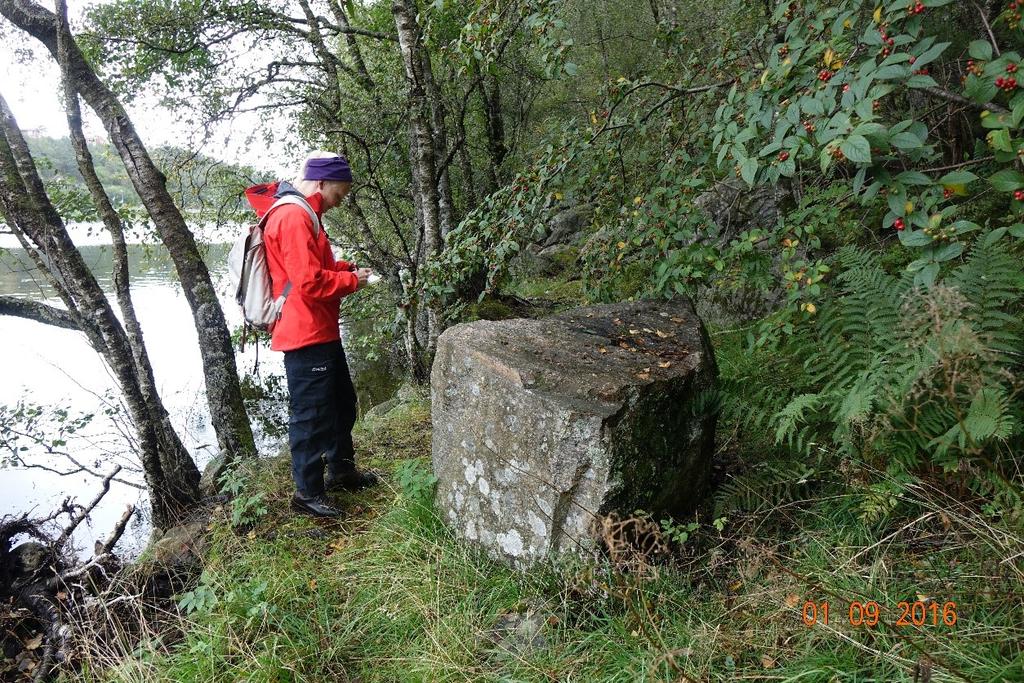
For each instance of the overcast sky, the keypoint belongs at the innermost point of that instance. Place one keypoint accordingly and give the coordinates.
(31, 82)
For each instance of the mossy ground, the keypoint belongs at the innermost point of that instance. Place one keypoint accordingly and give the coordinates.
(390, 595)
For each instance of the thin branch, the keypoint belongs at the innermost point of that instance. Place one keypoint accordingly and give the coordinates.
(984, 20)
(959, 99)
(951, 167)
(80, 469)
(77, 572)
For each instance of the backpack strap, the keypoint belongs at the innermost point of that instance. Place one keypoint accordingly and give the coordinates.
(293, 199)
(300, 201)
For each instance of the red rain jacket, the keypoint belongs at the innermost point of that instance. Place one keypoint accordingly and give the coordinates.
(310, 313)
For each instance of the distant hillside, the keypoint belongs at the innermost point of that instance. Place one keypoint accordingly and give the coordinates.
(198, 183)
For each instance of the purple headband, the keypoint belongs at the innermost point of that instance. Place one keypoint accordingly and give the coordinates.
(330, 168)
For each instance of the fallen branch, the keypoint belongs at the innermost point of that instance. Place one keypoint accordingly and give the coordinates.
(118, 531)
(84, 512)
(52, 586)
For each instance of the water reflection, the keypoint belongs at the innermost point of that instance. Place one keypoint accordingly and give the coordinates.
(52, 367)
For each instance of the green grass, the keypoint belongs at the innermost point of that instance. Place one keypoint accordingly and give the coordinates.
(391, 595)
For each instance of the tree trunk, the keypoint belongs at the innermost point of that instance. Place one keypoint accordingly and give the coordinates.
(224, 397)
(171, 475)
(353, 50)
(495, 127)
(466, 163)
(159, 417)
(421, 149)
(439, 134)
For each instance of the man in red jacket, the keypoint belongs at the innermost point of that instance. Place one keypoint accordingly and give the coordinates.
(322, 400)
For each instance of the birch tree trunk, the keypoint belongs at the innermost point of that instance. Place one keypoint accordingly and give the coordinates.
(171, 475)
(422, 158)
(223, 393)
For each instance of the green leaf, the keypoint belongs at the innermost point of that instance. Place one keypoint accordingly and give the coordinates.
(980, 90)
(901, 126)
(745, 135)
(571, 68)
(991, 120)
(871, 129)
(1018, 113)
(864, 108)
(905, 141)
(914, 178)
(1001, 140)
(870, 193)
(949, 251)
(896, 71)
(926, 276)
(980, 49)
(930, 55)
(858, 180)
(1007, 180)
(812, 106)
(993, 236)
(748, 170)
(897, 202)
(958, 178)
(921, 81)
(857, 149)
(914, 238)
(916, 265)
(721, 154)
(962, 227)
(896, 58)
(1017, 229)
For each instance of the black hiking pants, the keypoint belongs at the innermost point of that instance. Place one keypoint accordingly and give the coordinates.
(322, 411)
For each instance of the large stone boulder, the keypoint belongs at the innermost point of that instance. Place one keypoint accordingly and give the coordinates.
(540, 425)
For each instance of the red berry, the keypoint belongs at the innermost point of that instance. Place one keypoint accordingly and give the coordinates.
(1011, 68)
(1019, 195)
(846, 87)
(912, 59)
(898, 224)
(947, 193)
(999, 82)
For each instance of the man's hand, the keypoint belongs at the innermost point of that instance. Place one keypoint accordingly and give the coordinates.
(363, 274)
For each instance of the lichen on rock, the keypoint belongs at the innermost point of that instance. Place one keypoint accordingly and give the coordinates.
(540, 425)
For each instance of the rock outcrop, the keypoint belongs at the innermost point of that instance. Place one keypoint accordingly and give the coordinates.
(540, 425)
(734, 208)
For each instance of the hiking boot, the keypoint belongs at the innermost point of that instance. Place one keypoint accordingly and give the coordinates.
(351, 480)
(317, 506)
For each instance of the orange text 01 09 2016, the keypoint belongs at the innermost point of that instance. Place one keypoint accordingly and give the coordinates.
(869, 613)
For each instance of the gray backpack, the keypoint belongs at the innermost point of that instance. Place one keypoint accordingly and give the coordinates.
(250, 274)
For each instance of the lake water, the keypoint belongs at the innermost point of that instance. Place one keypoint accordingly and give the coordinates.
(57, 369)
